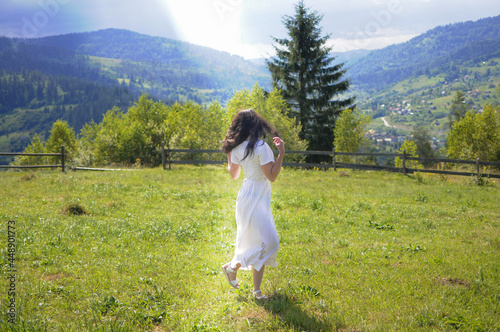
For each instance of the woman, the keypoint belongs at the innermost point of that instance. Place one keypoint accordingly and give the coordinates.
(257, 241)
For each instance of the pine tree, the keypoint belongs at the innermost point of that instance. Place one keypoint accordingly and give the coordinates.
(304, 72)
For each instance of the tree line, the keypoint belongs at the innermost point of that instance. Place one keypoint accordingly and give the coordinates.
(135, 135)
(34, 89)
(31, 101)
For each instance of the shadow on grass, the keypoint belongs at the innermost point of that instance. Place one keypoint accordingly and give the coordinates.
(292, 314)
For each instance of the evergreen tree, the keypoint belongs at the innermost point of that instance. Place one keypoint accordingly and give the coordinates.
(304, 72)
(459, 108)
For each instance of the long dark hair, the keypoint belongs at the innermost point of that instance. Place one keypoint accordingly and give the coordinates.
(247, 124)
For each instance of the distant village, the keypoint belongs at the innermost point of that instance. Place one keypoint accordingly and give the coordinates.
(422, 107)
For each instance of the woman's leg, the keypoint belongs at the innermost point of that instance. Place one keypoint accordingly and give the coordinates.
(232, 276)
(257, 278)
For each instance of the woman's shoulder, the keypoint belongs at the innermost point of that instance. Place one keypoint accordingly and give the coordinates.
(239, 149)
(261, 145)
(262, 148)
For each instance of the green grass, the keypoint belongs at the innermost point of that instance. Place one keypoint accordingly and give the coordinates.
(369, 251)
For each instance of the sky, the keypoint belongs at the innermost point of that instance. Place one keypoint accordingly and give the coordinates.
(242, 27)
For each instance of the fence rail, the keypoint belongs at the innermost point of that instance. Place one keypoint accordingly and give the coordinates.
(167, 160)
(62, 155)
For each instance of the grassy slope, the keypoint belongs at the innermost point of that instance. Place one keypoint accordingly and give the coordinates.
(369, 251)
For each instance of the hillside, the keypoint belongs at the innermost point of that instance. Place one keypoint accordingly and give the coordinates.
(429, 53)
(161, 62)
(413, 83)
(78, 77)
(167, 68)
(423, 100)
(31, 101)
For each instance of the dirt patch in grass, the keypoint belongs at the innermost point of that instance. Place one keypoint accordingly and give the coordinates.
(456, 282)
(28, 177)
(75, 209)
(57, 277)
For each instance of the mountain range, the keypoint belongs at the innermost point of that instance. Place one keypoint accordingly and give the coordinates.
(460, 42)
(78, 77)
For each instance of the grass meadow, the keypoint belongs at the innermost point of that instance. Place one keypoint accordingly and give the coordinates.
(142, 250)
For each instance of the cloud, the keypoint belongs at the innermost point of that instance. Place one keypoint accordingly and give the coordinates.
(372, 43)
(367, 23)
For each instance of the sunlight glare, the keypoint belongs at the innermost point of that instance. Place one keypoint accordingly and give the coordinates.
(214, 24)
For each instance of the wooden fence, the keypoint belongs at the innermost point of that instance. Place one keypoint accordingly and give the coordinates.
(167, 160)
(62, 155)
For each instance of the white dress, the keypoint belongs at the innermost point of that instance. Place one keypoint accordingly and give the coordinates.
(257, 242)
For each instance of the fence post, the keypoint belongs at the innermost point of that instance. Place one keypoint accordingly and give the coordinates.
(477, 166)
(62, 157)
(163, 154)
(169, 156)
(404, 162)
(334, 160)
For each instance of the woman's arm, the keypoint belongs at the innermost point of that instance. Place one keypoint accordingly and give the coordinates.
(234, 169)
(272, 170)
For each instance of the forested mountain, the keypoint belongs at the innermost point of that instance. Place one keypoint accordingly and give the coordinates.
(78, 77)
(169, 69)
(31, 101)
(430, 53)
(16, 55)
(128, 45)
